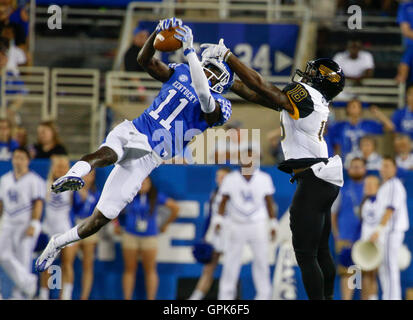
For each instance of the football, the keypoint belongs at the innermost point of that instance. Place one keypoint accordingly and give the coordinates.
(165, 40)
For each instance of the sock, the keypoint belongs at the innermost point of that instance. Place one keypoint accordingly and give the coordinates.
(67, 291)
(67, 237)
(79, 169)
(197, 295)
(44, 293)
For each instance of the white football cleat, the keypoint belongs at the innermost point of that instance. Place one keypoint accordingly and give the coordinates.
(67, 183)
(48, 255)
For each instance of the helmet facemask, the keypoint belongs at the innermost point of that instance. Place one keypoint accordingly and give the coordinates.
(219, 77)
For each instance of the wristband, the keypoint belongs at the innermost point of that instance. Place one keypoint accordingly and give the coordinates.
(273, 223)
(379, 228)
(188, 51)
(227, 54)
(35, 223)
(218, 219)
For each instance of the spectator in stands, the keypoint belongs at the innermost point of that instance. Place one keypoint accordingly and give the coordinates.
(57, 220)
(140, 237)
(140, 35)
(20, 18)
(16, 56)
(346, 223)
(403, 118)
(7, 19)
(405, 69)
(48, 141)
(405, 20)
(274, 140)
(20, 135)
(7, 144)
(346, 134)
(357, 64)
(367, 152)
(403, 150)
(84, 202)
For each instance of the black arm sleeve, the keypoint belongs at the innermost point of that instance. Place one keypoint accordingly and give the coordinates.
(300, 99)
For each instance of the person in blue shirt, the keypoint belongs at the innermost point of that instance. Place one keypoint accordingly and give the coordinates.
(405, 68)
(7, 144)
(405, 20)
(346, 134)
(140, 237)
(346, 223)
(84, 202)
(403, 118)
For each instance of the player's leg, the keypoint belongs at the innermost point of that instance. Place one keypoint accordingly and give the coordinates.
(307, 219)
(109, 153)
(260, 264)
(232, 262)
(149, 252)
(15, 269)
(205, 281)
(324, 258)
(120, 188)
(393, 248)
(130, 250)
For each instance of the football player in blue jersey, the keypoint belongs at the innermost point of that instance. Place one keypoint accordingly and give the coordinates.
(188, 103)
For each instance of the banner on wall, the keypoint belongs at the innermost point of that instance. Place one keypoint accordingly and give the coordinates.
(267, 48)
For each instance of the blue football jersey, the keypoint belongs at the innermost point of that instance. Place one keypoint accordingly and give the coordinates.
(175, 115)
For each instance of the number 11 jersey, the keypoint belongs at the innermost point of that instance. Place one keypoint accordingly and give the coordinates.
(175, 115)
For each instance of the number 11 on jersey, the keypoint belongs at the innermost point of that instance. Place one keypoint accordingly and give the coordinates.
(166, 123)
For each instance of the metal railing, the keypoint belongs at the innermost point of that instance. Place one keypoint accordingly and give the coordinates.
(123, 87)
(80, 87)
(380, 91)
(30, 84)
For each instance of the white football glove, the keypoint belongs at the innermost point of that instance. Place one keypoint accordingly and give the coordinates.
(184, 34)
(165, 24)
(218, 51)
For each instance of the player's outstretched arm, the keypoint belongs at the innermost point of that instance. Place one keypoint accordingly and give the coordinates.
(155, 67)
(209, 106)
(252, 79)
(246, 93)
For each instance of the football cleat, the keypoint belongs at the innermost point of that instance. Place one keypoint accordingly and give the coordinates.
(48, 255)
(67, 183)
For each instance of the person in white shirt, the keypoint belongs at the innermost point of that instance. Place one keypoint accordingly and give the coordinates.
(57, 220)
(248, 203)
(394, 222)
(22, 194)
(370, 219)
(367, 151)
(356, 63)
(403, 149)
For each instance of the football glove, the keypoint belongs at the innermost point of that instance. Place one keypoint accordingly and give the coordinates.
(184, 35)
(168, 23)
(218, 51)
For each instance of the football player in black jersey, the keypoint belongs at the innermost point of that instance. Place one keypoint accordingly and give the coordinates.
(304, 113)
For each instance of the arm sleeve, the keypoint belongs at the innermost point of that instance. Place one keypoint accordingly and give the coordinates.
(369, 61)
(407, 57)
(393, 196)
(225, 188)
(401, 14)
(269, 187)
(200, 83)
(300, 99)
(38, 189)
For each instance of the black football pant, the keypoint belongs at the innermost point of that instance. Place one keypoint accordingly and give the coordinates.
(310, 222)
